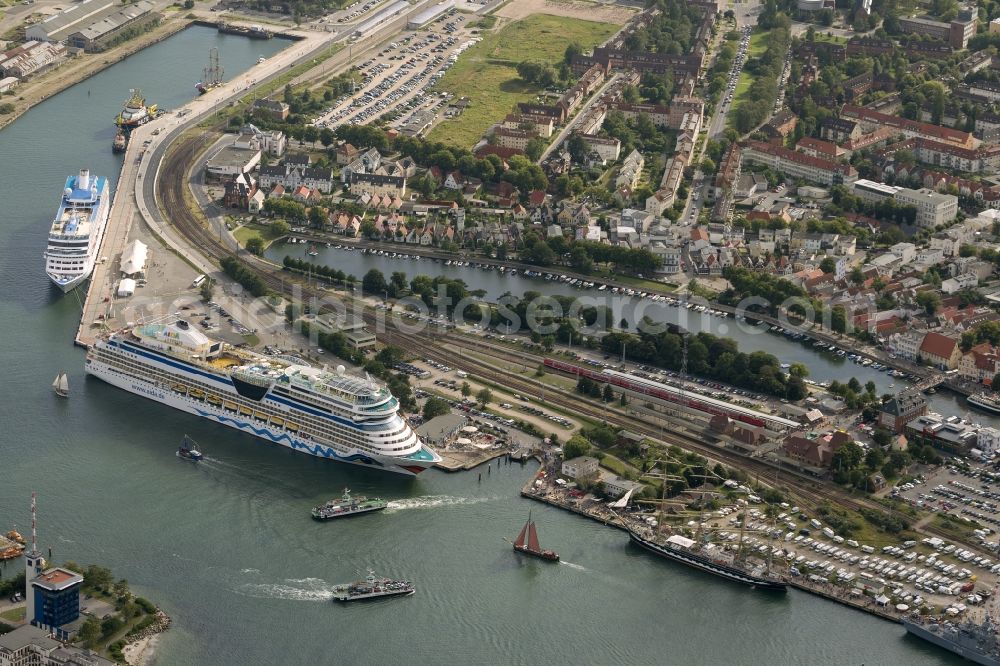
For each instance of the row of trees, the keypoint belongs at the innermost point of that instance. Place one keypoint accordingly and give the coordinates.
(886, 209)
(759, 99)
(708, 356)
(249, 280)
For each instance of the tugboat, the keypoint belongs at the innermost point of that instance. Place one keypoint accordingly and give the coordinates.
(135, 112)
(212, 75)
(531, 546)
(189, 450)
(348, 506)
(372, 588)
(119, 144)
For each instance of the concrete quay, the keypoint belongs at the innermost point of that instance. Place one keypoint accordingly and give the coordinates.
(135, 192)
(141, 164)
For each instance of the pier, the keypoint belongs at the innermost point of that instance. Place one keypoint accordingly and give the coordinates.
(146, 147)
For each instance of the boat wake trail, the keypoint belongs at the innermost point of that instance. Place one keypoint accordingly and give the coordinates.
(578, 567)
(293, 589)
(428, 501)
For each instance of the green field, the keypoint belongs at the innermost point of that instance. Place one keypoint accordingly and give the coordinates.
(486, 73)
(758, 44)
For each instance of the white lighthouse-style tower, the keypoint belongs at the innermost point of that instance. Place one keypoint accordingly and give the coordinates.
(34, 563)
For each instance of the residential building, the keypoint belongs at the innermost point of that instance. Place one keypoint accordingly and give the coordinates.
(940, 351)
(294, 172)
(513, 138)
(272, 142)
(819, 148)
(540, 125)
(581, 466)
(933, 208)
(957, 32)
(640, 61)
(873, 192)
(899, 410)
(369, 183)
(872, 120)
(980, 364)
(798, 165)
(631, 169)
(840, 130)
(272, 109)
(608, 149)
(988, 441)
(959, 282)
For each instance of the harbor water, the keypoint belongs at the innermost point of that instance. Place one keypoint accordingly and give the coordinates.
(227, 546)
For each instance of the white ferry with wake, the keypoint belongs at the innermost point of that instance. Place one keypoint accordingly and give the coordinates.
(326, 414)
(76, 233)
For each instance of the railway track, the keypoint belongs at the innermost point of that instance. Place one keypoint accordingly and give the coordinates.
(176, 207)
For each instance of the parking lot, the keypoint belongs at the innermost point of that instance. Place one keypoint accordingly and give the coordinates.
(972, 493)
(396, 82)
(929, 572)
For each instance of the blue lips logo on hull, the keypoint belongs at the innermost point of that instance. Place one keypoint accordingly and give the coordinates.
(317, 450)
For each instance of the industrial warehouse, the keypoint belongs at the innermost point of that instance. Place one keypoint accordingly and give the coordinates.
(93, 25)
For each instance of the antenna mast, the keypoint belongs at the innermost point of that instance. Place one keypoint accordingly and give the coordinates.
(34, 532)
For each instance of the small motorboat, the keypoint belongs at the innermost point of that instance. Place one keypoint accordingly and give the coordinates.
(189, 450)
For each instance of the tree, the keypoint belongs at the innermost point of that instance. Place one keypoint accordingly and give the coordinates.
(608, 395)
(97, 577)
(484, 397)
(828, 265)
(929, 300)
(435, 407)
(374, 282)
(798, 370)
(89, 631)
(207, 289)
(120, 589)
(280, 228)
(576, 446)
(466, 390)
(535, 148)
(255, 245)
(846, 458)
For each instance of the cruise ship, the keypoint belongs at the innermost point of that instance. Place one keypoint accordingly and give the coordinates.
(326, 414)
(76, 233)
(985, 401)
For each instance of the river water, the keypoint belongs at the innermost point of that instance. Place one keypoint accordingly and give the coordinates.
(227, 546)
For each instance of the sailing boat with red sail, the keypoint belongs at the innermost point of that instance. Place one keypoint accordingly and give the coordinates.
(527, 542)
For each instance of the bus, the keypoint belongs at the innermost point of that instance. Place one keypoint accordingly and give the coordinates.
(198, 280)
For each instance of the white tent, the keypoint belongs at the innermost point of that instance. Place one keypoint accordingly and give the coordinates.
(881, 600)
(126, 287)
(134, 258)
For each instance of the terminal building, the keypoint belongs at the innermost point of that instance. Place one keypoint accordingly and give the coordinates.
(92, 25)
(429, 14)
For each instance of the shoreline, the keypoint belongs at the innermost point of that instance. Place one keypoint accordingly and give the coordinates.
(141, 648)
(827, 591)
(54, 81)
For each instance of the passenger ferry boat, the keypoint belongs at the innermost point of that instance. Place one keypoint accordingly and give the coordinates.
(326, 414)
(985, 401)
(76, 233)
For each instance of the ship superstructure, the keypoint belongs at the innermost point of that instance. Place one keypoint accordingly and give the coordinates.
(76, 233)
(135, 112)
(326, 414)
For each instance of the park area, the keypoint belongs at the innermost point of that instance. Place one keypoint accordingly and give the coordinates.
(487, 74)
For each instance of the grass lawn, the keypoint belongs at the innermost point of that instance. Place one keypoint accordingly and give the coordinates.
(758, 44)
(13, 614)
(265, 231)
(832, 39)
(487, 73)
(741, 88)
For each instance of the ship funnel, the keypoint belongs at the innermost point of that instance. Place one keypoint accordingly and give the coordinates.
(83, 180)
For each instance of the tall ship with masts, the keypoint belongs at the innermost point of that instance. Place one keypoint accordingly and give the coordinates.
(212, 74)
(327, 414)
(703, 555)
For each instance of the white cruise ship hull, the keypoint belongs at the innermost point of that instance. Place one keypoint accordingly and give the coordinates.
(273, 434)
(67, 284)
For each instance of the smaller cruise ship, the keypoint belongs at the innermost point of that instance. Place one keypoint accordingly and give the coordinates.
(987, 402)
(76, 234)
